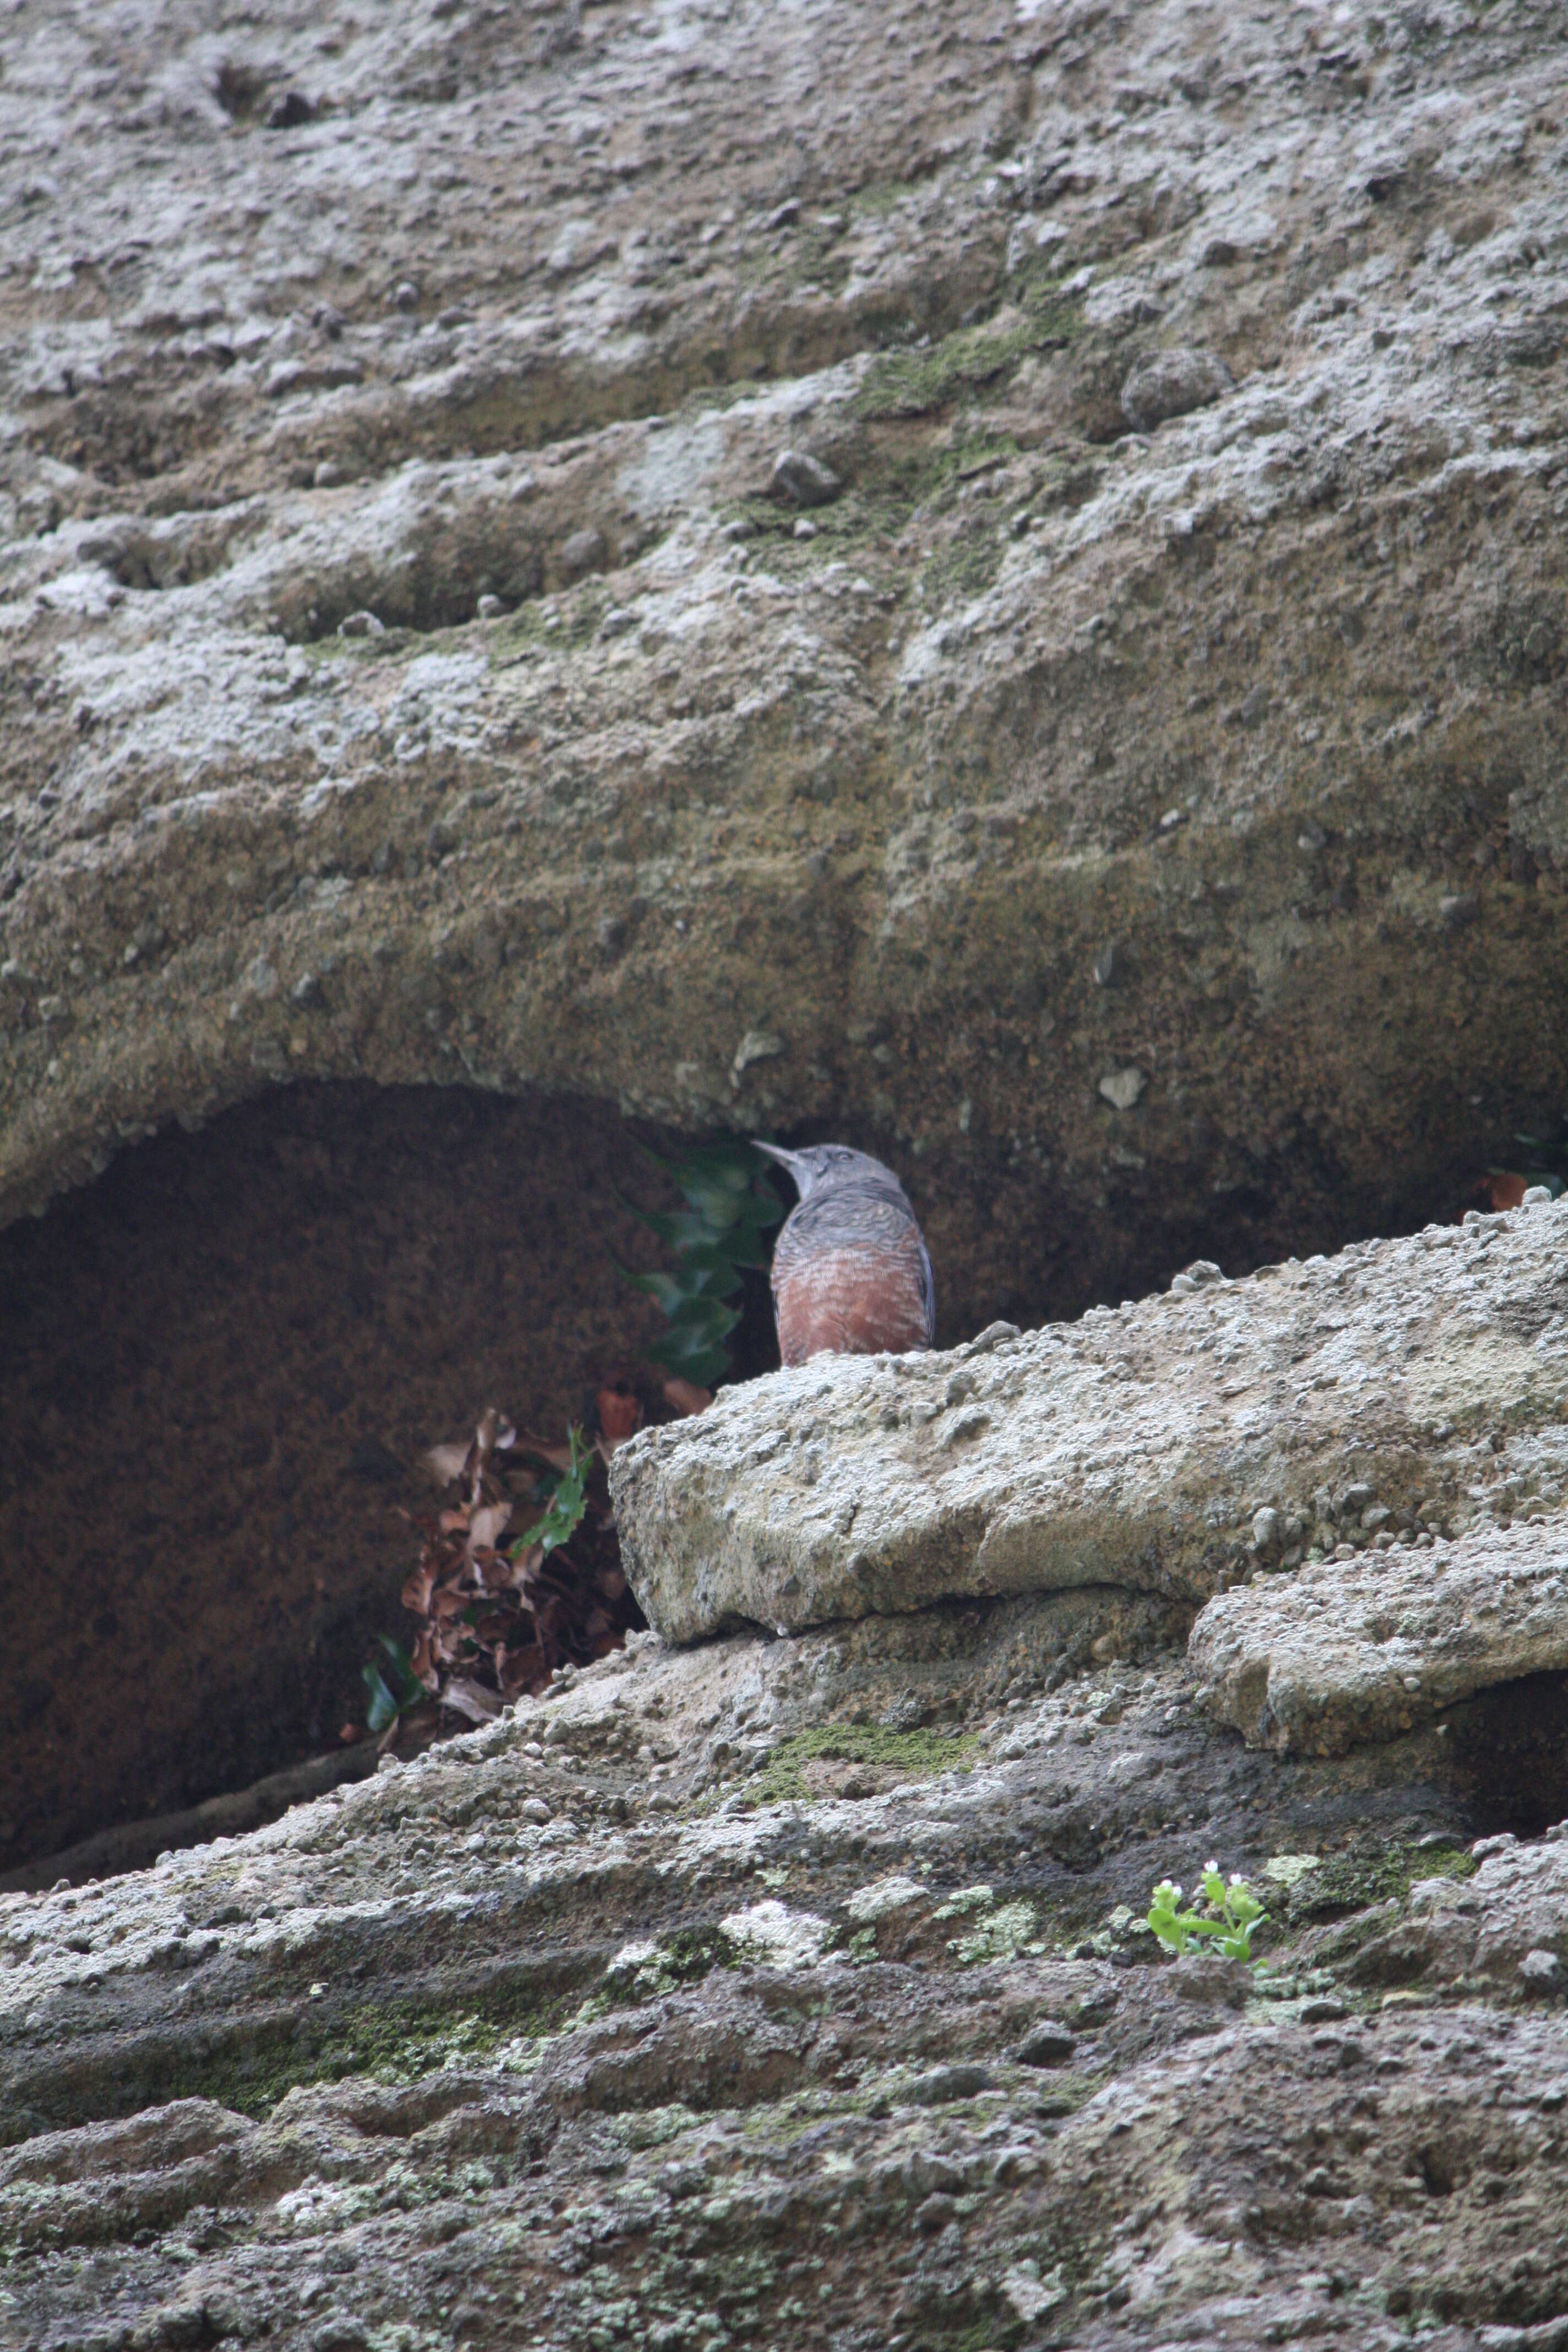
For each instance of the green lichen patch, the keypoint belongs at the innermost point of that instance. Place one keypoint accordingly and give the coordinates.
(993, 1931)
(914, 1754)
(392, 2042)
(562, 623)
(645, 1971)
(971, 360)
(392, 640)
(1355, 1880)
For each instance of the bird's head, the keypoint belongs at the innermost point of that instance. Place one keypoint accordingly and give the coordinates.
(822, 1167)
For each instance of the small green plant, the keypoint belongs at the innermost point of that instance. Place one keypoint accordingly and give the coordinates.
(394, 1688)
(1234, 1911)
(716, 1237)
(567, 1502)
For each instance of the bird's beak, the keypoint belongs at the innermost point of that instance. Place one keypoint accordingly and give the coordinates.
(786, 1160)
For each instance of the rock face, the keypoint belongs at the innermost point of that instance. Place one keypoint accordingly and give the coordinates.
(1150, 1447)
(1114, 771)
(798, 1991)
(702, 1986)
(1337, 1655)
(1046, 751)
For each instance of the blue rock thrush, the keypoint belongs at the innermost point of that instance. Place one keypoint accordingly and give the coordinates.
(851, 1275)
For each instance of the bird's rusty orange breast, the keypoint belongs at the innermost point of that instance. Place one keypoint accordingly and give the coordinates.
(858, 1299)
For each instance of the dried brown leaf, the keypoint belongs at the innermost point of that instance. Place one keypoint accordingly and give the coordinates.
(685, 1397)
(620, 1412)
(486, 1525)
(417, 1591)
(446, 1462)
(558, 1456)
(470, 1698)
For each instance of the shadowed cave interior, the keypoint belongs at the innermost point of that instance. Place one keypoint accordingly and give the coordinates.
(224, 1359)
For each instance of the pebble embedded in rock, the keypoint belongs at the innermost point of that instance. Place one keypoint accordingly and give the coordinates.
(361, 624)
(534, 1809)
(290, 112)
(799, 479)
(580, 552)
(1047, 2045)
(339, 2334)
(1173, 384)
(945, 2084)
(1122, 1089)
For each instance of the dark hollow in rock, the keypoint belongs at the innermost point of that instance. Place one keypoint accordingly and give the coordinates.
(1511, 1752)
(222, 1362)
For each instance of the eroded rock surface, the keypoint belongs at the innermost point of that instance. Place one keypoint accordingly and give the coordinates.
(796, 1993)
(1024, 820)
(1152, 1447)
(717, 1997)
(418, 667)
(1338, 1654)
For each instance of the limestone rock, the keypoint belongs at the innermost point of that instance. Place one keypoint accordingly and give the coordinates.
(1030, 686)
(1134, 1449)
(1337, 1655)
(802, 480)
(1173, 384)
(1490, 1926)
(412, 2043)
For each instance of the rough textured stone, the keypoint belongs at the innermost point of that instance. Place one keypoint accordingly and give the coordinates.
(1173, 384)
(803, 481)
(1136, 1448)
(1484, 1929)
(1229, 755)
(1363, 1650)
(729, 2029)
(351, 312)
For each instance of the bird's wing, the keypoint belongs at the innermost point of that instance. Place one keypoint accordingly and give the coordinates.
(928, 1291)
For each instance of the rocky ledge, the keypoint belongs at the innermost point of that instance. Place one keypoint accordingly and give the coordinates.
(796, 1989)
(1155, 1449)
(957, 580)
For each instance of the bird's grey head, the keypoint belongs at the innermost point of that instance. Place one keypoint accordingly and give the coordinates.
(828, 1166)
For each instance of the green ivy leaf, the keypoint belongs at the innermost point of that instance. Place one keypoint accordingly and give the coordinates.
(567, 1503)
(404, 1681)
(383, 1708)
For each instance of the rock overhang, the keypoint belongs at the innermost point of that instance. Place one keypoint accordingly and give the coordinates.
(1135, 1449)
(1288, 622)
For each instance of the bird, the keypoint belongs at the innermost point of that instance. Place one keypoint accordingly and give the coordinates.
(851, 1273)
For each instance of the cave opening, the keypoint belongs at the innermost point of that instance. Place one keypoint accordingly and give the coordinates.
(225, 1360)
(1510, 1755)
(224, 1363)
